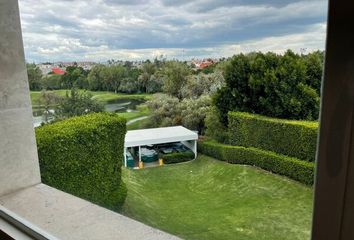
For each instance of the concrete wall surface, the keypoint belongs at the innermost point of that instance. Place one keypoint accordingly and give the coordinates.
(67, 217)
(19, 166)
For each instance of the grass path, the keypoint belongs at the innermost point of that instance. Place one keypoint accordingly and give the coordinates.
(130, 122)
(209, 199)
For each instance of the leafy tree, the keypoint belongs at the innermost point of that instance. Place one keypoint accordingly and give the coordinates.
(77, 103)
(48, 100)
(34, 77)
(52, 82)
(148, 69)
(94, 78)
(193, 112)
(115, 76)
(130, 84)
(159, 61)
(175, 76)
(165, 111)
(155, 83)
(200, 84)
(169, 111)
(214, 127)
(284, 86)
(128, 64)
(314, 67)
(74, 77)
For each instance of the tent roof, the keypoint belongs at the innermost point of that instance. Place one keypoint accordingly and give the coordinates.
(158, 135)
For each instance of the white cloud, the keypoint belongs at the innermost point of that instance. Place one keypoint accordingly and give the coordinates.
(101, 29)
(311, 40)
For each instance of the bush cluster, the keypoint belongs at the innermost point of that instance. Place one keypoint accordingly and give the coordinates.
(275, 85)
(169, 111)
(83, 156)
(293, 168)
(177, 157)
(293, 138)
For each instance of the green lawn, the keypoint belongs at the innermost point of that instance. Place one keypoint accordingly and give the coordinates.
(142, 110)
(209, 199)
(110, 96)
(35, 96)
(103, 97)
(130, 115)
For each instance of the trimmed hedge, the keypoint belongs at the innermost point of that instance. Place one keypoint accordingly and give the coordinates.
(293, 168)
(293, 138)
(177, 157)
(83, 156)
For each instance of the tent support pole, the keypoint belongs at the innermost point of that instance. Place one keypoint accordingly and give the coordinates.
(125, 156)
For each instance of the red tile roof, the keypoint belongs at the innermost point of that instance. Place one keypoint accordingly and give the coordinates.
(205, 64)
(58, 71)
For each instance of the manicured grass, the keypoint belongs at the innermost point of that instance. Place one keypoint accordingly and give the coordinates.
(130, 115)
(210, 199)
(35, 96)
(103, 97)
(142, 110)
(106, 97)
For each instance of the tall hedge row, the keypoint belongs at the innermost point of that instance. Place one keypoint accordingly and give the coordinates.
(292, 138)
(83, 156)
(293, 168)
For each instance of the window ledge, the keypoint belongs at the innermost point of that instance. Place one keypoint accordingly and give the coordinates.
(68, 217)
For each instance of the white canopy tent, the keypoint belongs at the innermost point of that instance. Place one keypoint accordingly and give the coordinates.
(151, 136)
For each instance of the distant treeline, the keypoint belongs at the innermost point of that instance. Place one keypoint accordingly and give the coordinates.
(149, 77)
(116, 78)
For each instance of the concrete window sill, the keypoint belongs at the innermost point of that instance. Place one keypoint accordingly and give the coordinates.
(68, 217)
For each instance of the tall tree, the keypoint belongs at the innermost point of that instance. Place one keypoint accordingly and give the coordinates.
(34, 77)
(48, 100)
(200, 84)
(94, 78)
(284, 86)
(116, 74)
(147, 71)
(52, 82)
(73, 76)
(175, 76)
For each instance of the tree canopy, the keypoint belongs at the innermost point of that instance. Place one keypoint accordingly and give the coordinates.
(283, 86)
(34, 76)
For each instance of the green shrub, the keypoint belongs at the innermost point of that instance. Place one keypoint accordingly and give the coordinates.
(214, 128)
(177, 157)
(83, 156)
(293, 168)
(293, 138)
(275, 85)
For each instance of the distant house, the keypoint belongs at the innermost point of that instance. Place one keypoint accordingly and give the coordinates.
(201, 64)
(205, 64)
(58, 71)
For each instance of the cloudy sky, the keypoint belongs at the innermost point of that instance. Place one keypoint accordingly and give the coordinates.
(98, 30)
